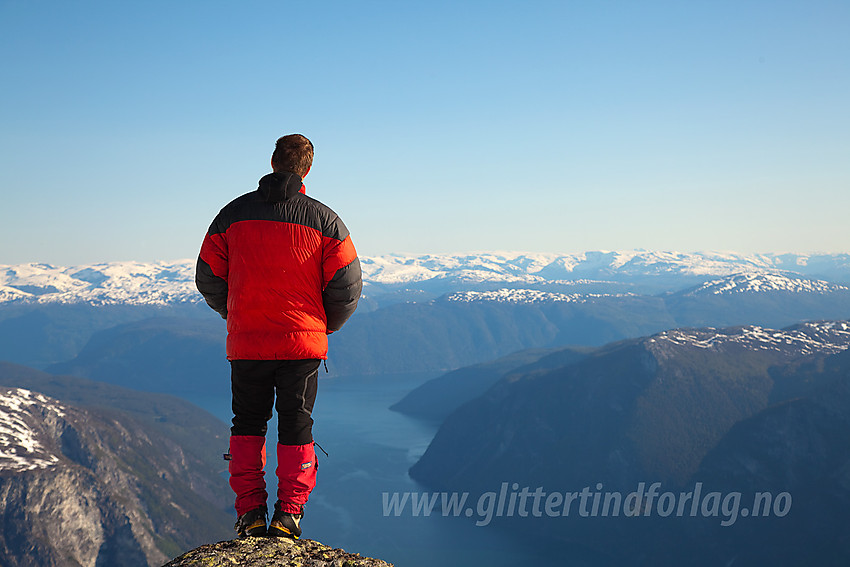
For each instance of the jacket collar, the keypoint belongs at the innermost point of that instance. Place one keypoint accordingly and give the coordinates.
(280, 186)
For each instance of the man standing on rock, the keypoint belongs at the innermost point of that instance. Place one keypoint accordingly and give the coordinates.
(280, 267)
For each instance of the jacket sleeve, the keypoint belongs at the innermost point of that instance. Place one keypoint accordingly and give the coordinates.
(342, 278)
(211, 270)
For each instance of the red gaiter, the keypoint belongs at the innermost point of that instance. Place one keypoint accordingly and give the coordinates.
(296, 475)
(247, 459)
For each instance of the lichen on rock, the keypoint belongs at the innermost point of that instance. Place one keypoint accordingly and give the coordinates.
(272, 552)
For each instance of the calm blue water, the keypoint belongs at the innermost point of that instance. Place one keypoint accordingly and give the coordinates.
(370, 450)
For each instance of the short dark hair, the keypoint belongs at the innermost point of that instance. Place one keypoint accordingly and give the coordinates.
(293, 153)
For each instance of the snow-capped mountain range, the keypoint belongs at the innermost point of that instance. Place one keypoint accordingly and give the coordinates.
(168, 283)
(154, 283)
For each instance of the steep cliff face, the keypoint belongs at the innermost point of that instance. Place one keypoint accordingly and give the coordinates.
(272, 552)
(87, 487)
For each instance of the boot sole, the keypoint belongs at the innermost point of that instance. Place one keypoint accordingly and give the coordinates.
(275, 531)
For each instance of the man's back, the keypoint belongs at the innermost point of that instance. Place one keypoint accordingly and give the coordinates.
(291, 271)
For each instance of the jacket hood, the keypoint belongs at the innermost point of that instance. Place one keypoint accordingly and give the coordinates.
(280, 186)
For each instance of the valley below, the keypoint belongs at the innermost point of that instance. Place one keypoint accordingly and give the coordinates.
(502, 405)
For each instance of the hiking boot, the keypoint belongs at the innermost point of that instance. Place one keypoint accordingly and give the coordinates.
(285, 524)
(252, 523)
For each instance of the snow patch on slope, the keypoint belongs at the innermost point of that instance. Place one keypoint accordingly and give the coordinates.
(21, 411)
(827, 337)
(513, 296)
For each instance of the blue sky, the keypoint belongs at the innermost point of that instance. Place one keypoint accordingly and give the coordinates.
(438, 126)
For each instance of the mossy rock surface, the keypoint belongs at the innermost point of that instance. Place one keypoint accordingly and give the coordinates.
(272, 552)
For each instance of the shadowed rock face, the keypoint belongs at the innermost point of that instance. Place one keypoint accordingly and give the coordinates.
(271, 552)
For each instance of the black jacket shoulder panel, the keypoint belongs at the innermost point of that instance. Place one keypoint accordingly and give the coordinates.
(297, 209)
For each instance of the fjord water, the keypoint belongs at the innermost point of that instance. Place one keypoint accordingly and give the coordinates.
(370, 450)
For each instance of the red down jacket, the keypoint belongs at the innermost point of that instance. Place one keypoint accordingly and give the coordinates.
(281, 268)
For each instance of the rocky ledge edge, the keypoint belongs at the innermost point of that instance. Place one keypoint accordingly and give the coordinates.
(272, 552)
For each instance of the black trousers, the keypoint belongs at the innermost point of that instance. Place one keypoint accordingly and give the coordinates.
(289, 386)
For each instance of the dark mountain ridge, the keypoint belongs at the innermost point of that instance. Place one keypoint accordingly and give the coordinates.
(163, 354)
(436, 399)
(744, 409)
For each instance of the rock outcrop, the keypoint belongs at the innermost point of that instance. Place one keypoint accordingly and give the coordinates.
(272, 552)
